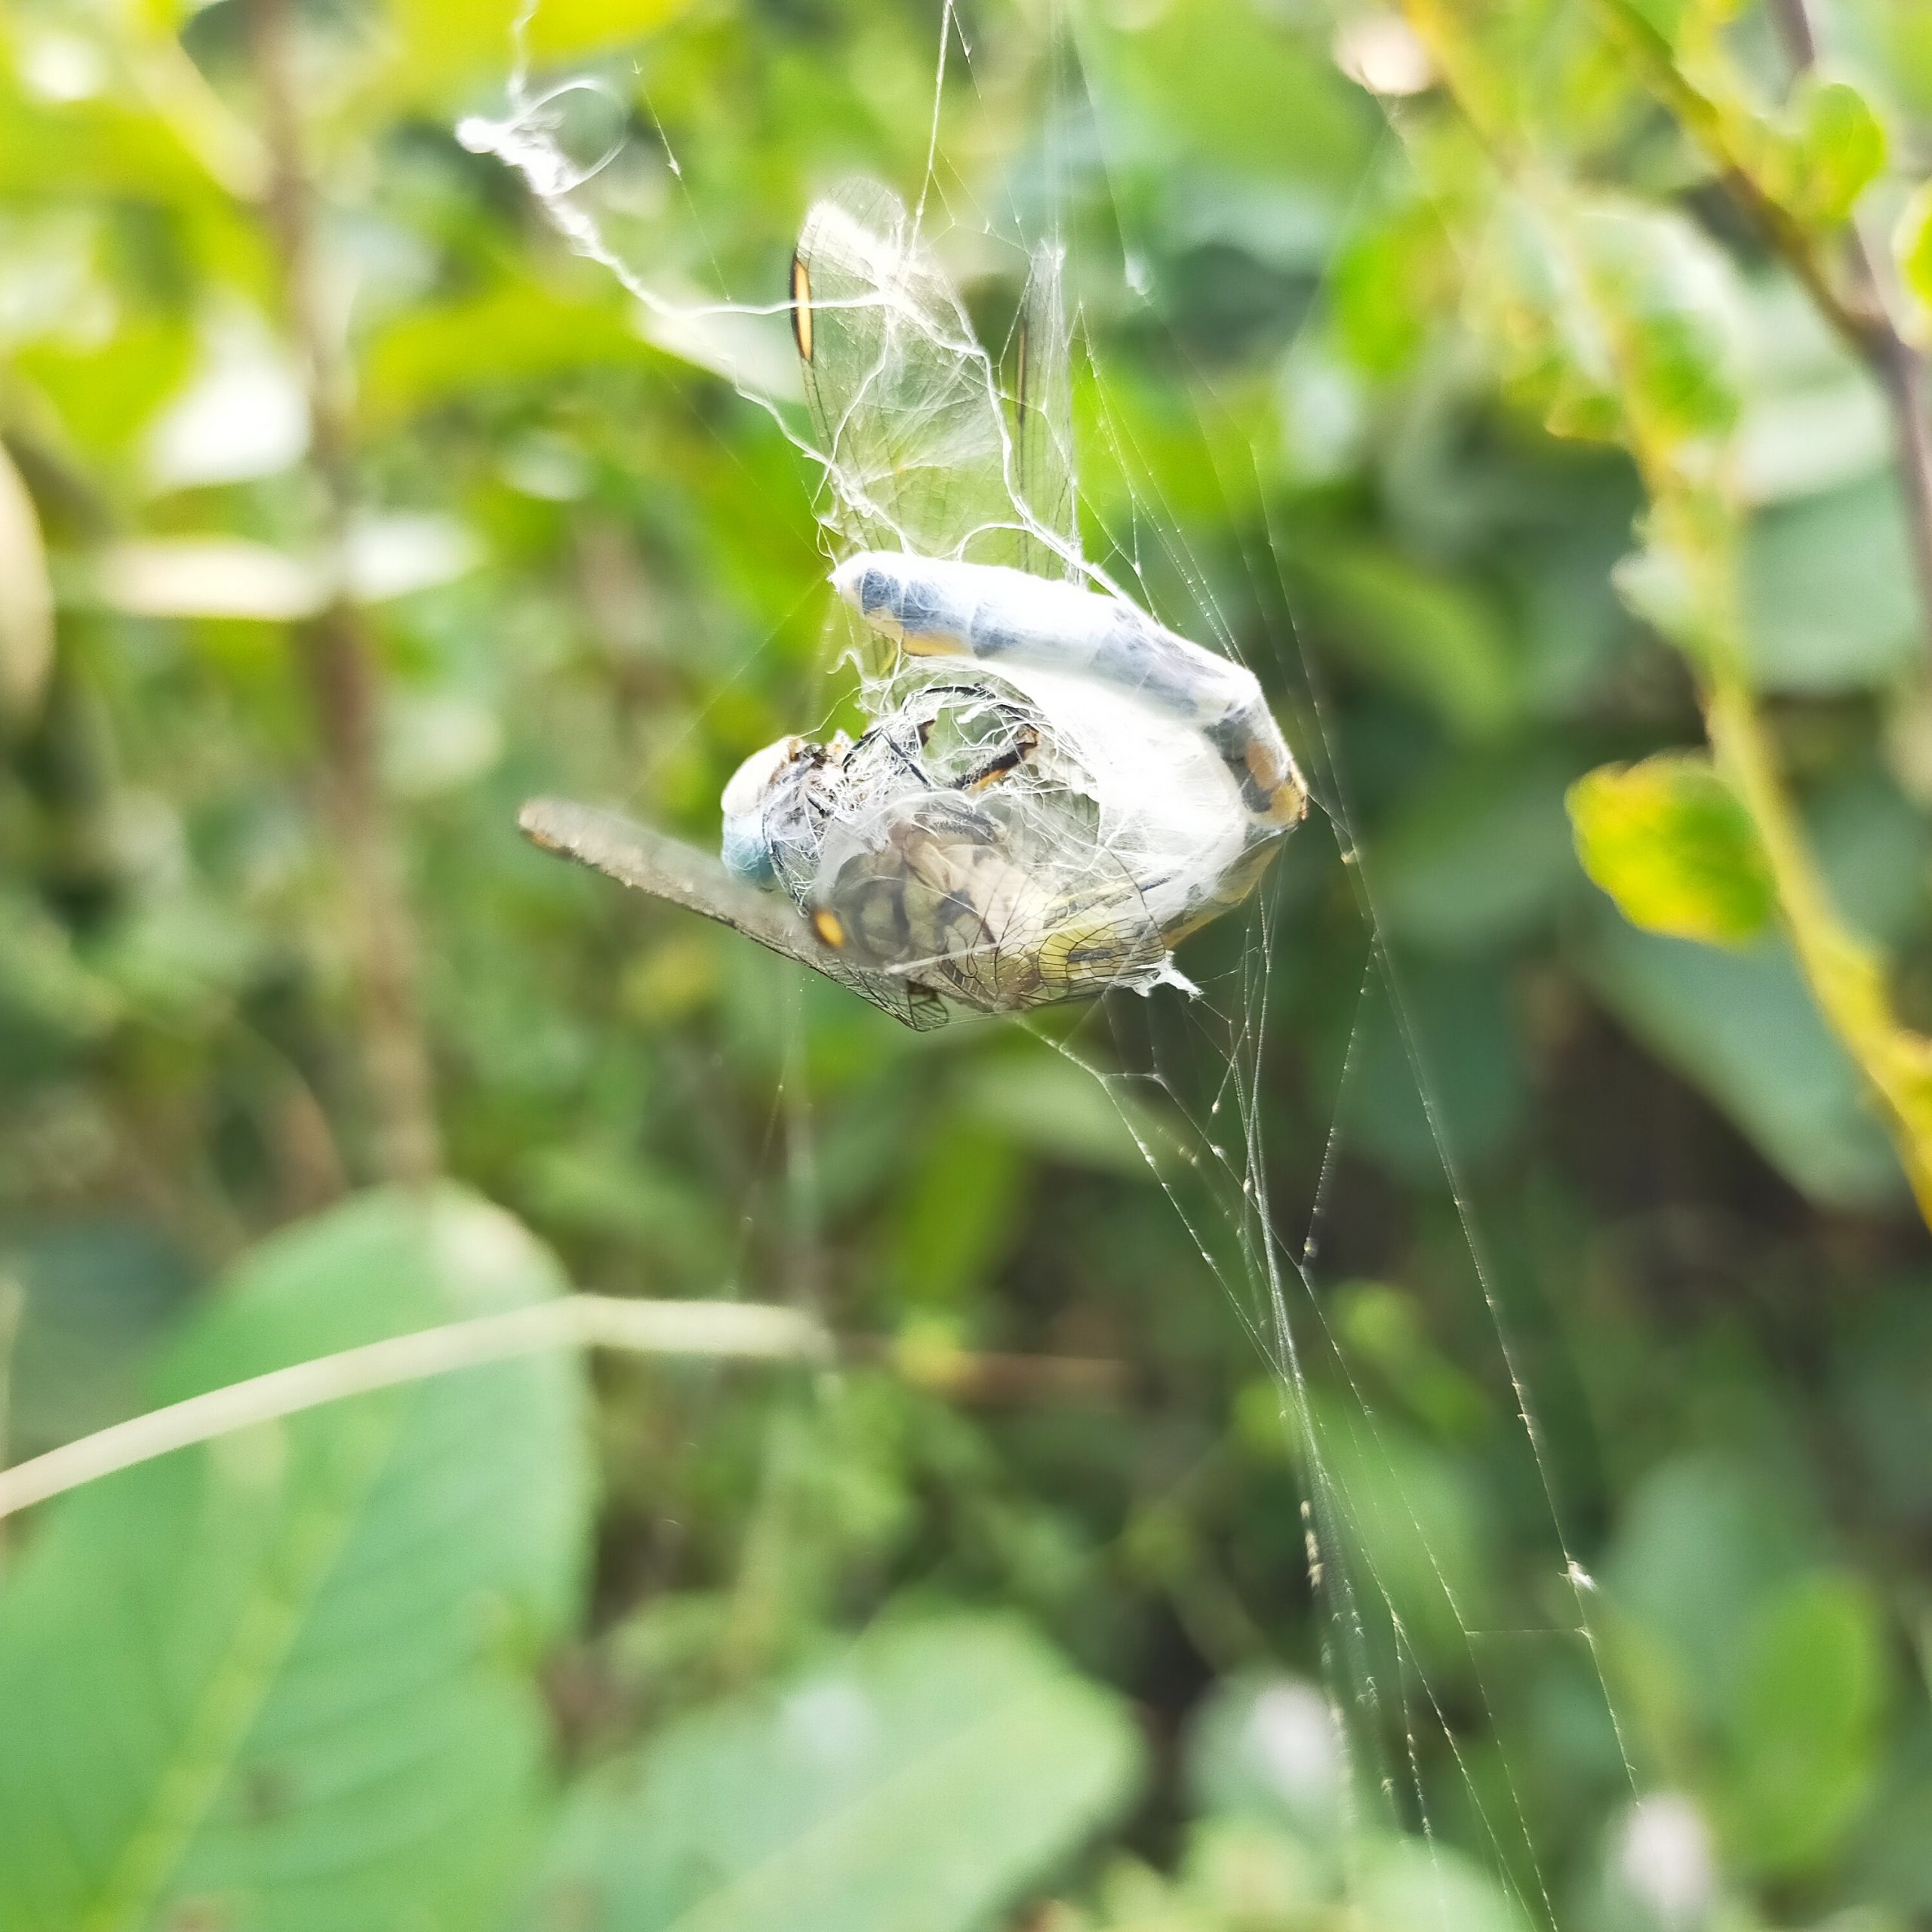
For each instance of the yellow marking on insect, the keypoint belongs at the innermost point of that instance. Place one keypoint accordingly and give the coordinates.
(1061, 953)
(1241, 880)
(1285, 799)
(931, 644)
(801, 308)
(829, 927)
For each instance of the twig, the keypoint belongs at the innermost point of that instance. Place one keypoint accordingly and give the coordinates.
(339, 655)
(1860, 316)
(968, 1375)
(1845, 974)
(718, 1331)
(1801, 39)
(742, 1331)
(1898, 367)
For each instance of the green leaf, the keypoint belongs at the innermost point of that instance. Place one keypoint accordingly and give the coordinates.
(1677, 24)
(1457, 1014)
(1387, 282)
(1830, 600)
(1911, 245)
(1703, 1542)
(1660, 20)
(1241, 1873)
(1264, 1746)
(924, 1784)
(511, 334)
(1670, 842)
(1603, 307)
(435, 46)
(1420, 630)
(1412, 1531)
(1477, 857)
(1835, 149)
(957, 1212)
(98, 1292)
(1742, 1027)
(283, 1681)
(1668, 296)
(1040, 1101)
(1410, 1884)
(1803, 1724)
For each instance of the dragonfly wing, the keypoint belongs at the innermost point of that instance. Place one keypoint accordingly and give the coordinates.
(1043, 410)
(905, 401)
(648, 861)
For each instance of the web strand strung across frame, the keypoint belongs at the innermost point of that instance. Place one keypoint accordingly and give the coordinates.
(991, 479)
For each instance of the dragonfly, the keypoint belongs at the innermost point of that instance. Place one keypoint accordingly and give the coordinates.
(1053, 788)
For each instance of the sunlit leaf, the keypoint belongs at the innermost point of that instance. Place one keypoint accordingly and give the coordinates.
(510, 335)
(1386, 282)
(1667, 294)
(1911, 245)
(1617, 318)
(1834, 150)
(1670, 842)
(243, 415)
(436, 45)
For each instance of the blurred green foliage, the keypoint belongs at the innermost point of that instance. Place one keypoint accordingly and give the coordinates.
(950, 1636)
(1672, 844)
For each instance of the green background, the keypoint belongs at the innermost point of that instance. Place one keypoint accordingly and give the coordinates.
(947, 1636)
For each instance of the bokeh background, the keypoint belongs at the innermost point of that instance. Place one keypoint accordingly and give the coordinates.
(345, 506)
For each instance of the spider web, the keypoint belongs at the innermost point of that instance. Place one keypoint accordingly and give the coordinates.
(1424, 1669)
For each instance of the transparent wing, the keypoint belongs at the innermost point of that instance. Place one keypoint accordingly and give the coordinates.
(1043, 412)
(906, 401)
(999, 902)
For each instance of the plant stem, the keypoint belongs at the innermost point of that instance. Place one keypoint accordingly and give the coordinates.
(1695, 518)
(716, 1331)
(338, 654)
(1845, 975)
(1847, 978)
(1860, 315)
(1897, 365)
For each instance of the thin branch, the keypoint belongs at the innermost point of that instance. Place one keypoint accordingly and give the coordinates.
(338, 653)
(1794, 23)
(1898, 367)
(1845, 974)
(740, 1330)
(1860, 315)
(717, 1330)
